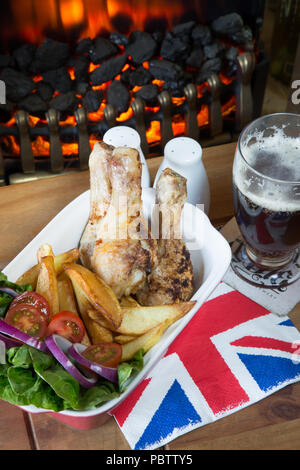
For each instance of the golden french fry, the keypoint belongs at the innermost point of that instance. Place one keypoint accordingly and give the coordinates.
(137, 320)
(47, 284)
(100, 319)
(98, 333)
(129, 302)
(123, 339)
(30, 276)
(62, 276)
(66, 295)
(44, 250)
(100, 295)
(82, 301)
(67, 257)
(145, 342)
(67, 301)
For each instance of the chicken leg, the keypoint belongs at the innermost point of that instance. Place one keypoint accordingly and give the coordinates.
(100, 197)
(171, 279)
(123, 252)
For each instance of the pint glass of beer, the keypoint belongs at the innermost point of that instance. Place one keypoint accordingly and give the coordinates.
(266, 193)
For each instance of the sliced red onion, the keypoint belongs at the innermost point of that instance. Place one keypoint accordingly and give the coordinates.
(10, 330)
(2, 352)
(59, 347)
(9, 342)
(9, 290)
(108, 373)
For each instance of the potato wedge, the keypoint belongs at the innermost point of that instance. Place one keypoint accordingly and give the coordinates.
(98, 333)
(67, 257)
(129, 302)
(66, 296)
(30, 276)
(97, 292)
(145, 342)
(138, 320)
(93, 332)
(82, 301)
(44, 250)
(67, 302)
(123, 339)
(100, 319)
(47, 284)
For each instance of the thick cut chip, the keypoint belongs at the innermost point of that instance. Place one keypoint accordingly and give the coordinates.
(67, 301)
(123, 339)
(98, 333)
(129, 302)
(145, 342)
(100, 295)
(47, 284)
(67, 257)
(44, 250)
(137, 320)
(31, 275)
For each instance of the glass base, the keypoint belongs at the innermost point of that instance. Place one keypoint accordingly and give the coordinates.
(258, 276)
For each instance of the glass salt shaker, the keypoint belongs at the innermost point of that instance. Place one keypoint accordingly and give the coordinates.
(184, 155)
(124, 136)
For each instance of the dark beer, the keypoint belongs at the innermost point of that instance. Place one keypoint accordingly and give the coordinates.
(269, 233)
(267, 199)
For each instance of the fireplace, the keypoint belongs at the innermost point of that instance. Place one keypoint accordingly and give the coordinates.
(74, 68)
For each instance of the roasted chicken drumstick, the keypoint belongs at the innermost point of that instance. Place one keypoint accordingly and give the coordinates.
(171, 279)
(116, 244)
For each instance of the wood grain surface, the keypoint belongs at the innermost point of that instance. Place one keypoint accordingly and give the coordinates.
(273, 423)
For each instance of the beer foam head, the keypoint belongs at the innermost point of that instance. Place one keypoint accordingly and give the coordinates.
(275, 157)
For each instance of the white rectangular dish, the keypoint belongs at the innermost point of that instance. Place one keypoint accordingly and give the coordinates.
(210, 255)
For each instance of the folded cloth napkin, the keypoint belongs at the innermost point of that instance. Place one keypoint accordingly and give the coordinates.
(232, 354)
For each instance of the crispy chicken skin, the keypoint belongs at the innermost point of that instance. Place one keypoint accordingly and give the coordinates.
(171, 279)
(100, 197)
(116, 245)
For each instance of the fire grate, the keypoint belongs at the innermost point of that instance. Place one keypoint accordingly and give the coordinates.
(195, 81)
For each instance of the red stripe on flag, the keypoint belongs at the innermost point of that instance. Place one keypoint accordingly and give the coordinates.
(206, 366)
(123, 410)
(268, 343)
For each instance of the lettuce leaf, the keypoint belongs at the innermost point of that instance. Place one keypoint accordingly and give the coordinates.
(127, 369)
(32, 377)
(6, 299)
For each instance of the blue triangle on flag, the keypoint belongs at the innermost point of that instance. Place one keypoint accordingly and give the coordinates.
(175, 411)
(287, 322)
(270, 371)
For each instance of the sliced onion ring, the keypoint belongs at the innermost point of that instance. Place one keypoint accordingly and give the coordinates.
(108, 373)
(59, 347)
(9, 290)
(9, 342)
(10, 330)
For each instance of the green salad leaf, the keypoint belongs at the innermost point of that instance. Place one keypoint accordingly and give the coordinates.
(6, 299)
(32, 377)
(126, 369)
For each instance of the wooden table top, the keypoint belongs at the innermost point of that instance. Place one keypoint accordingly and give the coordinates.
(273, 423)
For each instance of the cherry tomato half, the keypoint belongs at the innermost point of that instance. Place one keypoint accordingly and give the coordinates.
(34, 299)
(107, 354)
(27, 318)
(68, 325)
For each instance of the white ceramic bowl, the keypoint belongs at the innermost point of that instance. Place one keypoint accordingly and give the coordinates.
(210, 254)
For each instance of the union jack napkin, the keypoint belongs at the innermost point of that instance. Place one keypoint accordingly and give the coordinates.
(232, 354)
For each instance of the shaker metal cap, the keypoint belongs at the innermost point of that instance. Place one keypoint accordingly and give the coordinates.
(183, 150)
